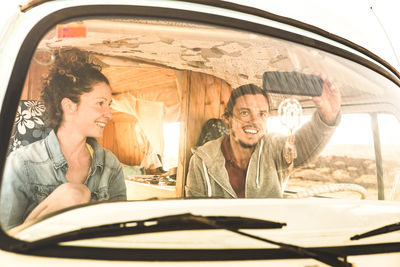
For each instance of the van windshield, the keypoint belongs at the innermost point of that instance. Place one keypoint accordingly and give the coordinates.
(129, 109)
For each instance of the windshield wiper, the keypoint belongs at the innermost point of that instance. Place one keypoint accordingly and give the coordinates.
(328, 258)
(181, 222)
(178, 222)
(378, 231)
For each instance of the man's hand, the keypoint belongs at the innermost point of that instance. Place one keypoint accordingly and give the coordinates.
(328, 104)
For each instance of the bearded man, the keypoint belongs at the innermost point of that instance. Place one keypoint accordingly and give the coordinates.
(249, 162)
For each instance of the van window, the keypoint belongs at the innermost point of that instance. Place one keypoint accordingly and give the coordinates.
(170, 83)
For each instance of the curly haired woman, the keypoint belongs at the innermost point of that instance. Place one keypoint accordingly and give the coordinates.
(68, 167)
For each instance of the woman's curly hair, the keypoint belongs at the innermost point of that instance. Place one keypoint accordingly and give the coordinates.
(72, 74)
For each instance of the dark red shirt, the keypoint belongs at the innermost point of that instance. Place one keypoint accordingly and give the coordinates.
(237, 176)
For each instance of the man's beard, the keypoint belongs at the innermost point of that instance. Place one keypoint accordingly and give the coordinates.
(243, 144)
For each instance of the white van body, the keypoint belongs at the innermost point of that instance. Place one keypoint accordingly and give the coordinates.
(312, 222)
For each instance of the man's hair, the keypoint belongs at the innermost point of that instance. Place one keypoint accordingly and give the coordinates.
(247, 89)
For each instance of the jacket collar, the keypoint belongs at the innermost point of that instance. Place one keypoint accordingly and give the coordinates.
(59, 161)
(54, 150)
(98, 155)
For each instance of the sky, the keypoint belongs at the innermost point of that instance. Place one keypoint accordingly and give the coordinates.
(355, 20)
(353, 129)
(387, 12)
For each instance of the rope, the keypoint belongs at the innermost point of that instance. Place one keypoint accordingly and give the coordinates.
(315, 191)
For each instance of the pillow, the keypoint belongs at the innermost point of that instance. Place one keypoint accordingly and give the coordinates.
(29, 125)
(212, 129)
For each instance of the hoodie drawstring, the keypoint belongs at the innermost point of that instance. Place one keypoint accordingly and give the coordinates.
(209, 192)
(258, 163)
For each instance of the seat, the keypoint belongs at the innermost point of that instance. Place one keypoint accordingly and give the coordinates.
(30, 124)
(211, 130)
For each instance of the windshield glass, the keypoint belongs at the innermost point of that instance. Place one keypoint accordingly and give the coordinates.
(122, 109)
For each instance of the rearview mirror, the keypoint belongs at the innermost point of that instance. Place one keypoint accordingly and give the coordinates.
(292, 83)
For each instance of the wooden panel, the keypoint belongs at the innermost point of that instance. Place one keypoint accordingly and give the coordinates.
(226, 90)
(206, 99)
(121, 138)
(182, 82)
(34, 80)
(196, 114)
(213, 92)
(208, 96)
(108, 141)
(145, 78)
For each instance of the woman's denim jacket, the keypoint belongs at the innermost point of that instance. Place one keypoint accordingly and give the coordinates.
(34, 171)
